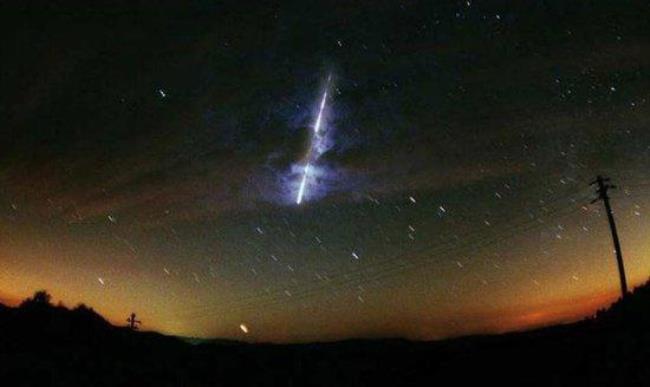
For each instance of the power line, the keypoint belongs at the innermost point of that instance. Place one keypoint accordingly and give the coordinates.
(370, 270)
(385, 273)
(393, 261)
(279, 299)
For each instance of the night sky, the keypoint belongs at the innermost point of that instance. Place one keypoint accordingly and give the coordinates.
(151, 157)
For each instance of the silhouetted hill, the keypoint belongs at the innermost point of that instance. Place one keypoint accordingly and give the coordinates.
(632, 311)
(42, 344)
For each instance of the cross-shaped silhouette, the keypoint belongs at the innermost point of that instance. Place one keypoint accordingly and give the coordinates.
(133, 323)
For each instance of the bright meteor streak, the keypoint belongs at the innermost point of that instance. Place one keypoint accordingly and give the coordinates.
(301, 191)
(320, 112)
(314, 141)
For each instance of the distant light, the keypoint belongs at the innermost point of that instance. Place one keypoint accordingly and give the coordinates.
(243, 328)
(162, 93)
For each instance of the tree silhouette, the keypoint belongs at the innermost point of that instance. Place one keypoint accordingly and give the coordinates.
(40, 298)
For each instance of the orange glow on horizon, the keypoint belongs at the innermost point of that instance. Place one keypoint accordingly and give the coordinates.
(501, 321)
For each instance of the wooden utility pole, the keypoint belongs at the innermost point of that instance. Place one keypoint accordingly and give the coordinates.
(603, 187)
(133, 323)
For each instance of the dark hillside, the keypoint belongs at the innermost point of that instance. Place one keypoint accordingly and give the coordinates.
(42, 344)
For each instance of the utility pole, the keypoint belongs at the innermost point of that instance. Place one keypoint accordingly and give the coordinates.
(133, 323)
(603, 187)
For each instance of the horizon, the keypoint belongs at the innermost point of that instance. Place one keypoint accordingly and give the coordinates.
(319, 172)
(530, 320)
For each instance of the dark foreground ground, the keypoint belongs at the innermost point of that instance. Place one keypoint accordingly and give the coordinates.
(44, 345)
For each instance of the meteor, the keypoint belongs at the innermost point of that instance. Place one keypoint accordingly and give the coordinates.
(301, 190)
(314, 142)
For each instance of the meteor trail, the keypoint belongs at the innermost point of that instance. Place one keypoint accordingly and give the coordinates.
(314, 142)
(301, 191)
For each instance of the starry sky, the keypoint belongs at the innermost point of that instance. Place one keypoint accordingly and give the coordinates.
(151, 153)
